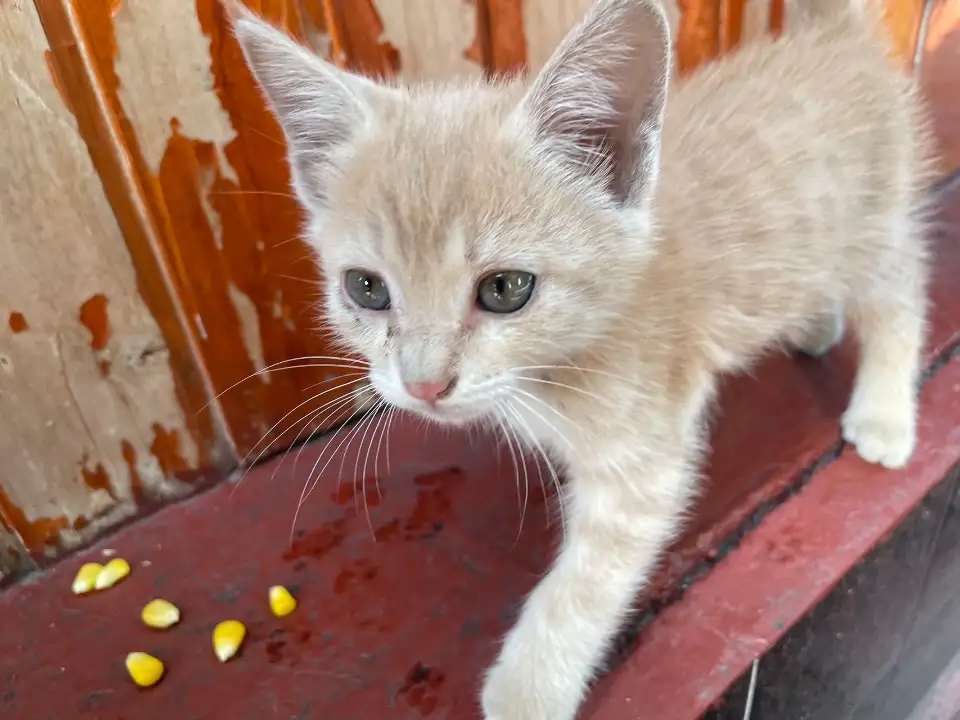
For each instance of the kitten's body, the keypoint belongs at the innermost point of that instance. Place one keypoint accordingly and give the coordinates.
(790, 195)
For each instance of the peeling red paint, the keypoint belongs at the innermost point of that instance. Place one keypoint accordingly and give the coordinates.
(166, 449)
(776, 17)
(129, 453)
(88, 72)
(36, 534)
(93, 314)
(316, 14)
(499, 44)
(95, 478)
(355, 31)
(18, 323)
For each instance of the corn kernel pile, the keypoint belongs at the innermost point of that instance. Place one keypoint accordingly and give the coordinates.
(146, 670)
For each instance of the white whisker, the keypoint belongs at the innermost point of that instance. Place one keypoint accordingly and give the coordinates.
(565, 386)
(341, 363)
(511, 436)
(577, 368)
(504, 427)
(289, 413)
(376, 458)
(345, 403)
(305, 418)
(337, 408)
(340, 411)
(363, 476)
(542, 419)
(546, 458)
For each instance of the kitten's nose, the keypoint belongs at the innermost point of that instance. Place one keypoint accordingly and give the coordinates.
(430, 392)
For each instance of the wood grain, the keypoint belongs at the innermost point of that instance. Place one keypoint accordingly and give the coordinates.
(431, 37)
(87, 384)
(208, 161)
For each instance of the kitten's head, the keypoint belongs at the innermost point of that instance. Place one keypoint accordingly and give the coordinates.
(474, 234)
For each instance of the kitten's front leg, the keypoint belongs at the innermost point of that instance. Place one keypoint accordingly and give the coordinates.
(619, 519)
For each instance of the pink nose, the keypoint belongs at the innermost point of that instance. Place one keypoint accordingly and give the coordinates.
(430, 392)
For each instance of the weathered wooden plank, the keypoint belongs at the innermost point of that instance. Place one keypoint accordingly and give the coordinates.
(208, 162)
(93, 426)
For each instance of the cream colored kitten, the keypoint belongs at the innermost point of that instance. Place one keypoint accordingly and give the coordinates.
(578, 258)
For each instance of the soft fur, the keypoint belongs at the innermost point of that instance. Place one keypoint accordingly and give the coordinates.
(776, 192)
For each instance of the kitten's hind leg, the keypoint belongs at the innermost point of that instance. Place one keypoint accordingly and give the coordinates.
(822, 335)
(882, 416)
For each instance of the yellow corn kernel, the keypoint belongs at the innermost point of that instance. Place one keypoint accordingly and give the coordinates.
(112, 573)
(227, 638)
(282, 603)
(160, 614)
(86, 578)
(145, 669)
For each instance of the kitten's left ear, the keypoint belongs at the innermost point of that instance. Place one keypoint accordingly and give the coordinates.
(599, 100)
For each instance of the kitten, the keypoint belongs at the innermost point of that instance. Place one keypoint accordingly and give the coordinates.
(576, 259)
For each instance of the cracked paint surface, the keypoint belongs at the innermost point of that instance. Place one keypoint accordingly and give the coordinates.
(75, 384)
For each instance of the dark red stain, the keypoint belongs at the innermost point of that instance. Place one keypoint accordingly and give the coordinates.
(285, 644)
(420, 688)
(166, 449)
(426, 519)
(93, 314)
(430, 511)
(103, 365)
(784, 550)
(351, 577)
(388, 531)
(319, 541)
(347, 493)
(433, 503)
(18, 323)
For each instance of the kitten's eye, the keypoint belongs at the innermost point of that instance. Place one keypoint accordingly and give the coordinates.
(367, 289)
(506, 291)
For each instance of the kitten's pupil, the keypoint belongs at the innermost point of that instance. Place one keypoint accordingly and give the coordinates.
(506, 291)
(367, 289)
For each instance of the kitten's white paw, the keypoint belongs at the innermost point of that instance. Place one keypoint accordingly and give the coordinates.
(882, 434)
(516, 691)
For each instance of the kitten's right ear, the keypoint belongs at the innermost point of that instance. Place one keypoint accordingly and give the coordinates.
(599, 101)
(318, 105)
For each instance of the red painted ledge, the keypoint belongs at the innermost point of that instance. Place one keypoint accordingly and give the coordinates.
(406, 585)
(694, 649)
